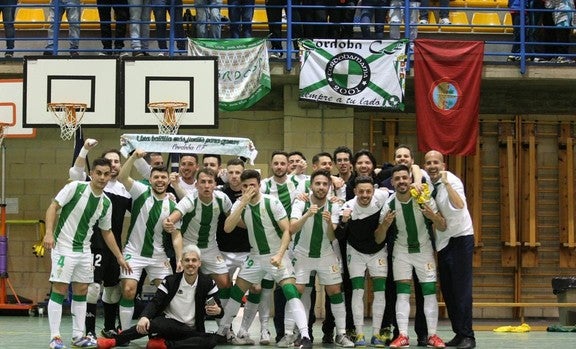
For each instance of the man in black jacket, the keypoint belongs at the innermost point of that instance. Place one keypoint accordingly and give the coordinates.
(170, 319)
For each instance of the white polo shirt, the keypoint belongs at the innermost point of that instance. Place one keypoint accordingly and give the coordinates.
(182, 307)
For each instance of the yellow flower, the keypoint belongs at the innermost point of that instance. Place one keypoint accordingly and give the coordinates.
(421, 197)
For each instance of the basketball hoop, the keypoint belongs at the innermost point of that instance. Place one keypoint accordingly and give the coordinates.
(3, 126)
(69, 117)
(168, 115)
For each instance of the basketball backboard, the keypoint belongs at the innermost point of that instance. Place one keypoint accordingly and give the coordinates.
(192, 80)
(92, 81)
(11, 91)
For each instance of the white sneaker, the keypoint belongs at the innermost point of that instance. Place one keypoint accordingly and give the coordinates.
(444, 21)
(423, 21)
(343, 341)
(287, 341)
(242, 340)
(265, 337)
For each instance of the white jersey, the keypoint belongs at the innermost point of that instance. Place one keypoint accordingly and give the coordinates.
(200, 220)
(81, 210)
(458, 221)
(261, 220)
(312, 240)
(413, 235)
(145, 232)
(285, 192)
(358, 212)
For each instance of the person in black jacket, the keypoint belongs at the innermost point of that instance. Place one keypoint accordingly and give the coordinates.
(170, 319)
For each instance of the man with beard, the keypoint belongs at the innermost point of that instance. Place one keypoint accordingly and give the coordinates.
(174, 318)
(412, 223)
(455, 248)
(313, 221)
(106, 269)
(184, 182)
(199, 213)
(82, 204)
(144, 248)
(365, 251)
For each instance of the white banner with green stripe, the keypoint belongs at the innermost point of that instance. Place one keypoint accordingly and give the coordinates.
(243, 69)
(362, 73)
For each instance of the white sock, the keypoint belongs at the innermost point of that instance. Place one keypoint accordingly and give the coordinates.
(339, 312)
(250, 310)
(229, 312)
(378, 305)
(54, 318)
(296, 308)
(125, 316)
(264, 307)
(78, 310)
(431, 313)
(402, 312)
(358, 309)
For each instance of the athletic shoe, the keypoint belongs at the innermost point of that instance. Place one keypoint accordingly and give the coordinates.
(328, 338)
(360, 341)
(108, 333)
(386, 334)
(454, 341)
(242, 339)
(105, 343)
(265, 337)
(401, 342)
(287, 341)
(435, 342)
(305, 343)
(9, 55)
(423, 21)
(378, 341)
(84, 342)
(56, 343)
(343, 341)
(444, 21)
(156, 343)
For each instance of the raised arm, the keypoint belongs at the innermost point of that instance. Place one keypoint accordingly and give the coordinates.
(124, 175)
(78, 171)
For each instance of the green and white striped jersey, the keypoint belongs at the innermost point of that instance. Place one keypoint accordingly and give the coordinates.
(81, 210)
(145, 231)
(261, 220)
(285, 192)
(200, 220)
(312, 240)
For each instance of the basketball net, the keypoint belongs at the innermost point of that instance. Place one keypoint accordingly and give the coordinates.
(168, 115)
(3, 127)
(69, 117)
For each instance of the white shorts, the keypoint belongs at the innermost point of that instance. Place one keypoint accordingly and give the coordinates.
(234, 260)
(327, 269)
(157, 268)
(213, 262)
(77, 268)
(376, 263)
(255, 267)
(423, 263)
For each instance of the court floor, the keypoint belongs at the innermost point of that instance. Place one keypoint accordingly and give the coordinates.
(33, 332)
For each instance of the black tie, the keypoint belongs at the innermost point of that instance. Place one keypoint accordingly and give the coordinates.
(435, 191)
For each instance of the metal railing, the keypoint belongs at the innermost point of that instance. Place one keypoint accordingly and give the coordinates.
(534, 37)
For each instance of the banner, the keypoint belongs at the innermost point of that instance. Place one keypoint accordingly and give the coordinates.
(360, 73)
(188, 144)
(243, 69)
(447, 78)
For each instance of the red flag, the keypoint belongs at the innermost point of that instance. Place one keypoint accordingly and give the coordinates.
(447, 77)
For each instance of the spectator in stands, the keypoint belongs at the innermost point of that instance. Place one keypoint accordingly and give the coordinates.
(375, 10)
(344, 13)
(121, 17)
(316, 13)
(557, 29)
(139, 26)
(72, 8)
(7, 9)
(208, 15)
(159, 8)
(514, 6)
(397, 14)
(241, 13)
(274, 12)
(442, 13)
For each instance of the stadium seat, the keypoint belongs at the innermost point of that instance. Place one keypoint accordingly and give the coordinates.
(89, 19)
(458, 3)
(460, 24)
(430, 27)
(30, 18)
(486, 22)
(260, 19)
(481, 3)
(508, 26)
